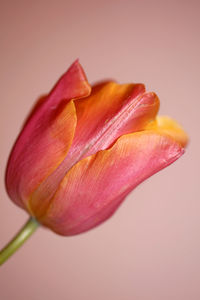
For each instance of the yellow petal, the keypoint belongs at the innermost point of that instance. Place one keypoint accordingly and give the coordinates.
(170, 127)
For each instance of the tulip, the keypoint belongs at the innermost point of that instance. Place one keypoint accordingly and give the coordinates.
(83, 150)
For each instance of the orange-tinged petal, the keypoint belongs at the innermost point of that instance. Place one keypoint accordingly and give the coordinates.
(46, 136)
(42, 153)
(93, 189)
(110, 111)
(166, 125)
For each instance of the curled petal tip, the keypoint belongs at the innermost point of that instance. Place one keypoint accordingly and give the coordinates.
(167, 125)
(73, 84)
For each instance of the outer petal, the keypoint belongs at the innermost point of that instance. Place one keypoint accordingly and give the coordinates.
(94, 187)
(109, 112)
(170, 127)
(40, 155)
(46, 137)
(72, 85)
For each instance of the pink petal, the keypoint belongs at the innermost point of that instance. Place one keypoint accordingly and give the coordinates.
(109, 112)
(93, 189)
(46, 137)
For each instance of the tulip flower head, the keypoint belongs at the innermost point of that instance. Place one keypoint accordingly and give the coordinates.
(83, 149)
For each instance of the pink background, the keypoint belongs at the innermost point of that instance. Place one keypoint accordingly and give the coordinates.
(149, 250)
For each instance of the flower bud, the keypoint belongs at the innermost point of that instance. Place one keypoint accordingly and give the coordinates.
(83, 150)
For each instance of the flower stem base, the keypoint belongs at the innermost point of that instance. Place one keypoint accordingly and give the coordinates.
(27, 230)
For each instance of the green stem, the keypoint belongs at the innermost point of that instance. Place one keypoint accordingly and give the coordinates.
(18, 240)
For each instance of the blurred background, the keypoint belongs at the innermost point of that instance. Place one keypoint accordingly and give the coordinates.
(149, 250)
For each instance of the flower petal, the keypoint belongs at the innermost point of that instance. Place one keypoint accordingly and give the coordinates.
(72, 85)
(109, 112)
(166, 125)
(40, 155)
(46, 136)
(95, 186)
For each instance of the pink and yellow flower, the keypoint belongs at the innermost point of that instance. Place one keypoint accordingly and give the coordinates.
(83, 150)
